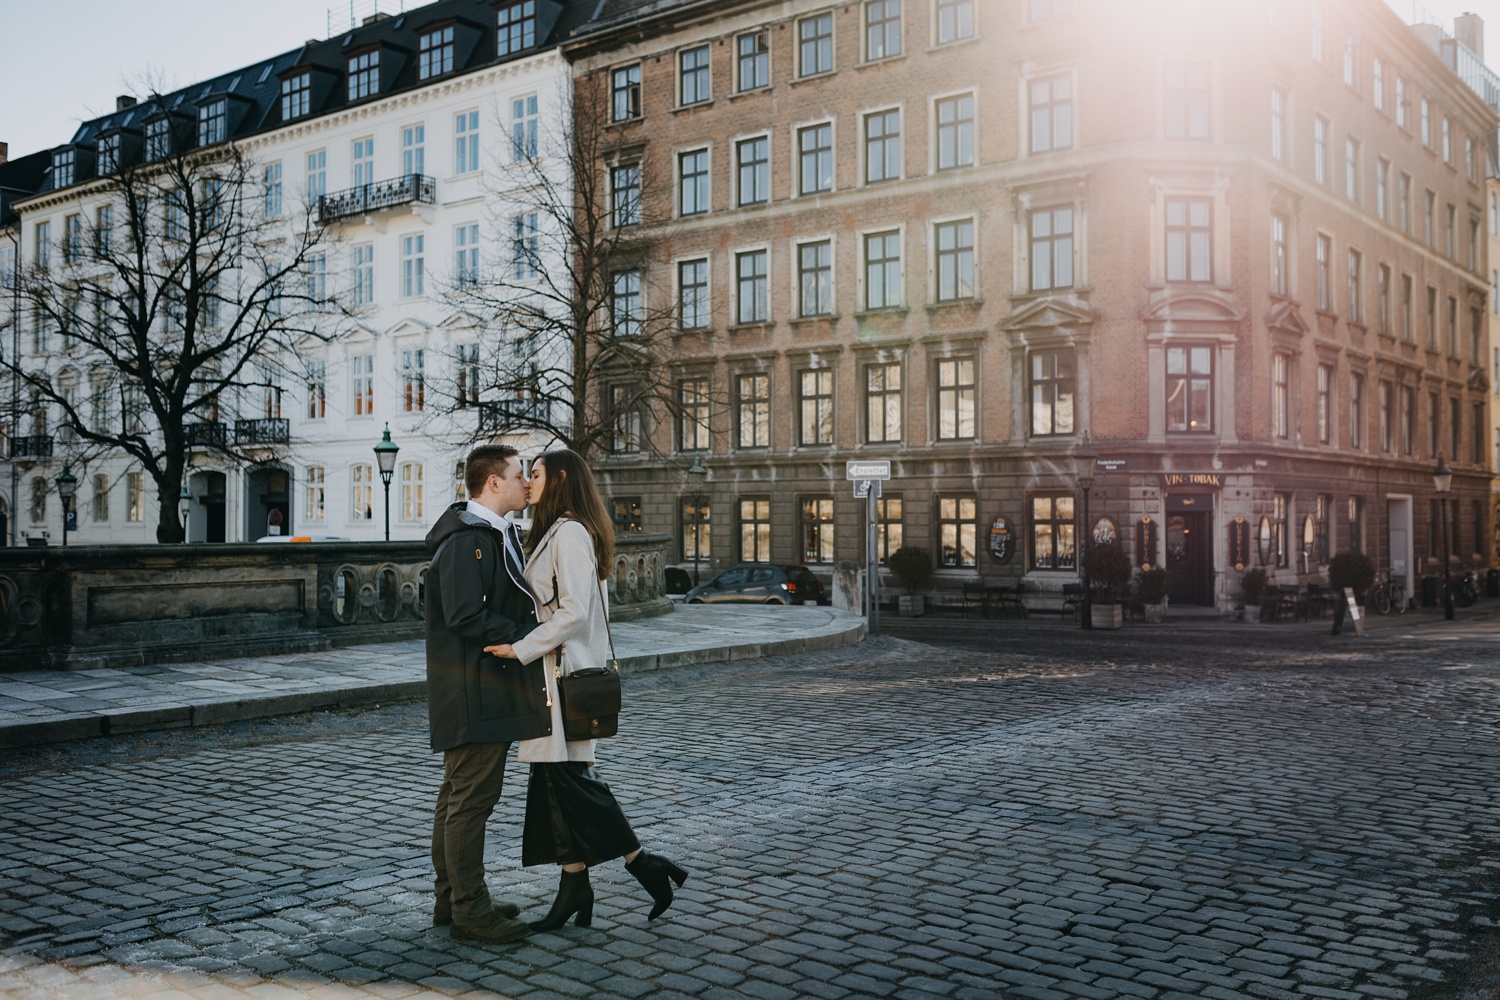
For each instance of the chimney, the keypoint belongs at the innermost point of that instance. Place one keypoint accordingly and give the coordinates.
(373, 18)
(1469, 30)
(4, 151)
(124, 101)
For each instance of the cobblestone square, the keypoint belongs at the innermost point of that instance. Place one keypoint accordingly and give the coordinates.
(998, 810)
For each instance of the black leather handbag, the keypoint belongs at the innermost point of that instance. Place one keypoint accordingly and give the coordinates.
(590, 698)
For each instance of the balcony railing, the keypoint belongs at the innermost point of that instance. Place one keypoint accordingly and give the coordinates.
(396, 191)
(510, 415)
(208, 433)
(33, 447)
(262, 431)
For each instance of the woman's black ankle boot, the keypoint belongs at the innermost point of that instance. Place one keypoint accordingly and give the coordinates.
(657, 874)
(574, 895)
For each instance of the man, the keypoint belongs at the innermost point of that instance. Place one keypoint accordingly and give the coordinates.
(477, 705)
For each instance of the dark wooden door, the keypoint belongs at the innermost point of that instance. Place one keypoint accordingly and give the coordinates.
(1189, 558)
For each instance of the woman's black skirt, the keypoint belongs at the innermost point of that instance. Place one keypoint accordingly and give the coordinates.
(572, 816)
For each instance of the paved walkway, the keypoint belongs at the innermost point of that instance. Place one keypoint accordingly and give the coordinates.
(52, 706)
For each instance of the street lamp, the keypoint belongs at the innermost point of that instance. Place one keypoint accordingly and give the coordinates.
(697, 470)
(1442, 481)
(385, 455)
(1084, 458)
(184, 507)
(67, 486)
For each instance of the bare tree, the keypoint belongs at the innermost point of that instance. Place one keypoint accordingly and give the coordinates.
(576, 316)
(182, 289)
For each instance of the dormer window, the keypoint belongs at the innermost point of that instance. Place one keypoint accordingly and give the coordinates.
(516, 27)
(109, 153)
(213, 122)
(435, 53)
(158, 138)
(296, 95)
(62, 169)
(364, 75)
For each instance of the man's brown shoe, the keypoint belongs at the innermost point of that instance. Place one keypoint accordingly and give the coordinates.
(494, 930)
(442, 912)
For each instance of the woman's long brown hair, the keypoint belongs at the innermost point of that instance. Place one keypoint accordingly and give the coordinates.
(570, 490)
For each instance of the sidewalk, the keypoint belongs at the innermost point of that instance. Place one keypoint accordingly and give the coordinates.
(53, 706)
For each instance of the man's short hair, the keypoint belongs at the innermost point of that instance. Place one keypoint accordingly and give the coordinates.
(483, 462)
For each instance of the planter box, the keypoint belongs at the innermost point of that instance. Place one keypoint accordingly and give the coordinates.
(1107, 616)
(1155, 613)
(1252, 613)
(911, 605)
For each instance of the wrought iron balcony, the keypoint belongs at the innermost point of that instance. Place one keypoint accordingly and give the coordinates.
(273, 431)
(208, 433)
(366, 198)
(34, 447)
(510, 415)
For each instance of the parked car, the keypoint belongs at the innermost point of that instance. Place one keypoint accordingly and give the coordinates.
(679, 582)
(760, 583)
(289, 539)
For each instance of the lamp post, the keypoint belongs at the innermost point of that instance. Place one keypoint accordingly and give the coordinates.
(385, 455)
(1084, 458)
(699, 471)
(1442, 481)
(67, 487)
(184, 507)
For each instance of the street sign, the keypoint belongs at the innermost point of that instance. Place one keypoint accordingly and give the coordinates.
(1109, 465)
(879, 469)
(866, 487)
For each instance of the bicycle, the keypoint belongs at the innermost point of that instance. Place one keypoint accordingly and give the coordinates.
(1390, 593)
(1466, 589)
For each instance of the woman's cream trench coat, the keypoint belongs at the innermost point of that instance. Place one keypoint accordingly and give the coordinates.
(575, 612)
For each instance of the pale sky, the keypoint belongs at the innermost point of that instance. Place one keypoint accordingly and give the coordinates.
(64, 61)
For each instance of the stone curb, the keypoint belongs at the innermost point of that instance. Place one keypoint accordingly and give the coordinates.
(236, 709)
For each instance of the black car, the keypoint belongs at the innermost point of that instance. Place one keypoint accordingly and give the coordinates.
(760, 583)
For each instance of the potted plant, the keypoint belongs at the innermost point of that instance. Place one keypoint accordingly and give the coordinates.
(1154, 594)
(1108, 569)
(1253, 589)
(1351, 570)
(912, 568)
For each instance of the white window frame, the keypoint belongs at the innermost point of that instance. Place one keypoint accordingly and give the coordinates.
(1071, 72)
(679, 176)
(795, 268)
(708, 288)
(734, 167)
(862, 116)
(934, 273)
(734, 276)
(861, 291)
(935, 145)
(794, 144)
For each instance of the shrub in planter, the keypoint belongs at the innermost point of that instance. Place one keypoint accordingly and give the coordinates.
(1108, 569)
(1253, 590)
(1153, 591)
(1353, 570)
(912, 568)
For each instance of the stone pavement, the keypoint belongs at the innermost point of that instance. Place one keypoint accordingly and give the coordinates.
(52, 706)
(1019, 812)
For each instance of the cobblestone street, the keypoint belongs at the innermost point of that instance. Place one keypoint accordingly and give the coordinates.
(995, 811)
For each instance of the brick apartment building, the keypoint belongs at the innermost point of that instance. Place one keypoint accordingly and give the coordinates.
(1235, 246)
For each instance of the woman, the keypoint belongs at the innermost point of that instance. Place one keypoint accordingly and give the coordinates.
(572, 818)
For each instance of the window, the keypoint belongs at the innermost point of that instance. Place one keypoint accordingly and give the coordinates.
(7, 265)
(1434, 423)
(1447, 140)
(159, 136)
(1351, 169)
(815, 278)
(435, 53)
(362, 493)
(100, 503)
(955, 260)
(1349, 60)
(515, 28)
(1320, 149)
(1325, 273)
(1382, 175)
(882, 403)
(817, 529)
(1408, 420)
(1469, 158)
(955, 399)
(815, 159)
(1428, 224)
(1356, 287)
(525, 246)
(1190, 388)
(882, 146)
(315, 269)
(692, 427)
(413, 380)
(625, 303)
(62, 169)
(363, 72)
(1189, 239)
(1051, 249)
(1383, 300)
(414, 150)
(1281, 404)
(1051, 100)
(625, 423)
(696, 537)
(412, 490)
(625, 89)
(1432, 332)
(1052, 392)
(317, 175)
(1455, 430)
(955, 132)
(1185, 111)
(1476, 438)
(1278, 255)
(109, 153)
(753, 156)
(815, 406)
(466, 142)
(692, 294)
(1377, 84)
(1452, 327)
(174, 216)
(1450, 227)
(135, 497)
(625, 192)
(1403, 203)
(815, 45)
(752, 300)
(1280, 525)
(692, 172)
(524, 119)
(1356, 411)
(1426, 124)
(882, 29)
(466, 255)
(38, 500)
(72, 238)
(469, 380)
(1052, 532)
(1383, 418)
(889, 527)
(1278, 123)
(753, 402)
(364, 274)
(1316, 15)
(1408, 326)
(364, 162)
(1476, 336)
(1324, 403)
(754, 64)
(271, 180)
(363, 387)
(1400, 102)
(755, 531)
(296, 98)
(1473, 244)
(317, 390)
(693, 69)
(1042, 10)
(317, 492)
(882, 270)
(413, 267)
(955, 20)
